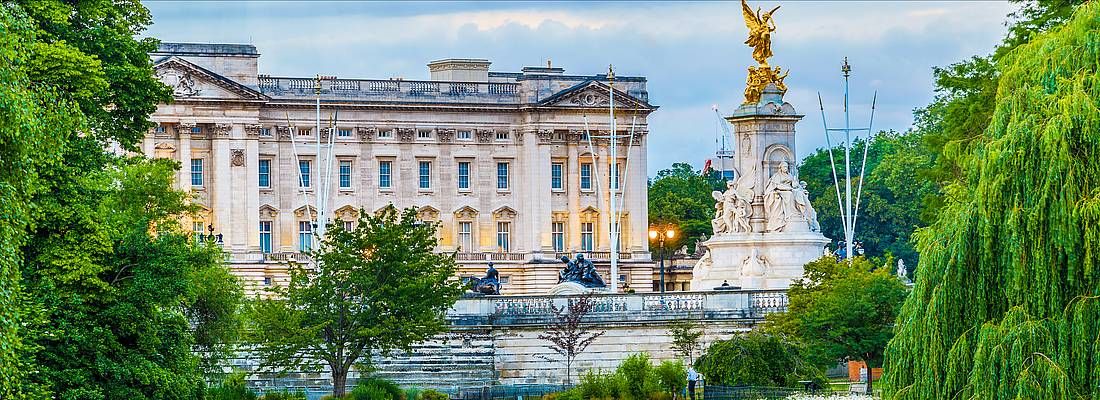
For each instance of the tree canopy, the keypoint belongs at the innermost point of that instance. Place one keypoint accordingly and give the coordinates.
(1008, 296)
(102, 294)
(377, 287)
(681, 196)
(755, 359)
(894, 192)
(841, 310)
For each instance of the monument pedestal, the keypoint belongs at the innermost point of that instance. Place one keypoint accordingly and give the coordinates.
(780, 258)
(573, 288)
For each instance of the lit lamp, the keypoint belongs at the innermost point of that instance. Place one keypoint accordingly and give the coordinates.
(660, 236)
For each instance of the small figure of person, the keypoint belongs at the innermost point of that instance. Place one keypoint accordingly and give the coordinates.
(692, 378)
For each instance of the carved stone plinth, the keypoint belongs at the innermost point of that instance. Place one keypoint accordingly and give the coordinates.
(571, 288)
(780, 258)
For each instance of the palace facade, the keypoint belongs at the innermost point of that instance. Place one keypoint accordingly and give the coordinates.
(500, 160)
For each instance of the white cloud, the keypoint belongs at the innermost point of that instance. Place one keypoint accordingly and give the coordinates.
(692, 53)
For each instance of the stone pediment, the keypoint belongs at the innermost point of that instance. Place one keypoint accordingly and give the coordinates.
(593, 94)
(192, 82)
(427, 213)
(466, 212)
(346, 213)
(505, 213)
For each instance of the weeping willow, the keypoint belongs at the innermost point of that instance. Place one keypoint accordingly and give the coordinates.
(1007, 302)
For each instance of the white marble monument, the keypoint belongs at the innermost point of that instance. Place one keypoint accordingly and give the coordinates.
(765, 229)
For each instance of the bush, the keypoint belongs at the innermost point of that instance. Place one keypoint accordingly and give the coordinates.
(431, 394)
(599, 385)
(756, 359)
(283, 395)
(232, 388)
(638, 374)
(376, 389)
(672, 376)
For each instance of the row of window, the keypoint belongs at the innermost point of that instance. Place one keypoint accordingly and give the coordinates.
(424, 169)
(465, 238)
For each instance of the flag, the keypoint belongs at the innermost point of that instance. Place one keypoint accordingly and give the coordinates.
(706, 167)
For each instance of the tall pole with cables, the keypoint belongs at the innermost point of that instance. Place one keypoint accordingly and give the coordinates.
(849, 211)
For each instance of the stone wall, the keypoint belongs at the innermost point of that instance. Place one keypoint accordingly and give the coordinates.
(494, 340)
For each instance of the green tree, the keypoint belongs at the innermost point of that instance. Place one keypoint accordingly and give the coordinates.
(376, 288)
(755, 359)
(685, 338)
(672, 377)
(681, 196)
(1009, 294)
(109, 304)
(842, 311)
(31, 120)
(957, 119)
(115, 288)
(894, 191)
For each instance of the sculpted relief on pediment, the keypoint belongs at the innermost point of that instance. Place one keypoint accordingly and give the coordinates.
(181, 82)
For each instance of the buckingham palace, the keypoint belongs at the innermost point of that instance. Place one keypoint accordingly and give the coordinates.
(502, 161)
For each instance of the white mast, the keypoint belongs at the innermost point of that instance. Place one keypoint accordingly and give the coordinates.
(848, 214)
(319, 225)
(614, 184)
(614, 204)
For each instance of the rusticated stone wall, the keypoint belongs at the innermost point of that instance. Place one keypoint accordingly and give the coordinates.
(494, 340)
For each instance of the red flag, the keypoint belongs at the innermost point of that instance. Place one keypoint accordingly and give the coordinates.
(706, 167)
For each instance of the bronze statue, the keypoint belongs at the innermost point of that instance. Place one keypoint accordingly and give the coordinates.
(489, 284)
(580, 271)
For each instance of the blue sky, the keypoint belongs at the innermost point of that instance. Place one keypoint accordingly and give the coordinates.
(692, 53)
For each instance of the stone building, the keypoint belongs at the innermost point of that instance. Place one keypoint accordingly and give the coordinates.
(499, 159)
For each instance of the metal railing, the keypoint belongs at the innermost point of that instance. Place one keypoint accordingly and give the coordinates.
(715, 392)
(508, 392)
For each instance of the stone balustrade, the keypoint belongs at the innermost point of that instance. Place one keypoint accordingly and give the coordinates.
(621, 308)
(387, 89)
(286, 257)
(596, 255)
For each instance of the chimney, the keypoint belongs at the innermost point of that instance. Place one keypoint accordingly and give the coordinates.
(460, 70)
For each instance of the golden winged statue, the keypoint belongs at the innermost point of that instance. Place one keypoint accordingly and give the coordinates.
(760, 27)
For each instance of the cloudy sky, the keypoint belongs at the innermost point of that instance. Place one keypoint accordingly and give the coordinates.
(692, 53)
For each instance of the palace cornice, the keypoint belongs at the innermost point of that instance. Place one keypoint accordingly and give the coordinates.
(207, 101)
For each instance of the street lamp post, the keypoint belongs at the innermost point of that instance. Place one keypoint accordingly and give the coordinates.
(660, 236)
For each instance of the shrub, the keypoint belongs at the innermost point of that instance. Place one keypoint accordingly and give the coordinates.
(284, 395)
(599, 385)
(431, 394)
(672, 376)
(756, 359)
(660, 396)
(638, 374)
(232, 388)
(376, 389)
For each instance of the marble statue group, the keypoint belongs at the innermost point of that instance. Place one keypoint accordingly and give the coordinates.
(786, 202)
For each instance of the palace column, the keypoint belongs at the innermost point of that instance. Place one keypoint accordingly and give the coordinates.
(221, 185)
(183, 176)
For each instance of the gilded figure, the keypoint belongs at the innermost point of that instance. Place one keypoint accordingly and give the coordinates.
(760, 27)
